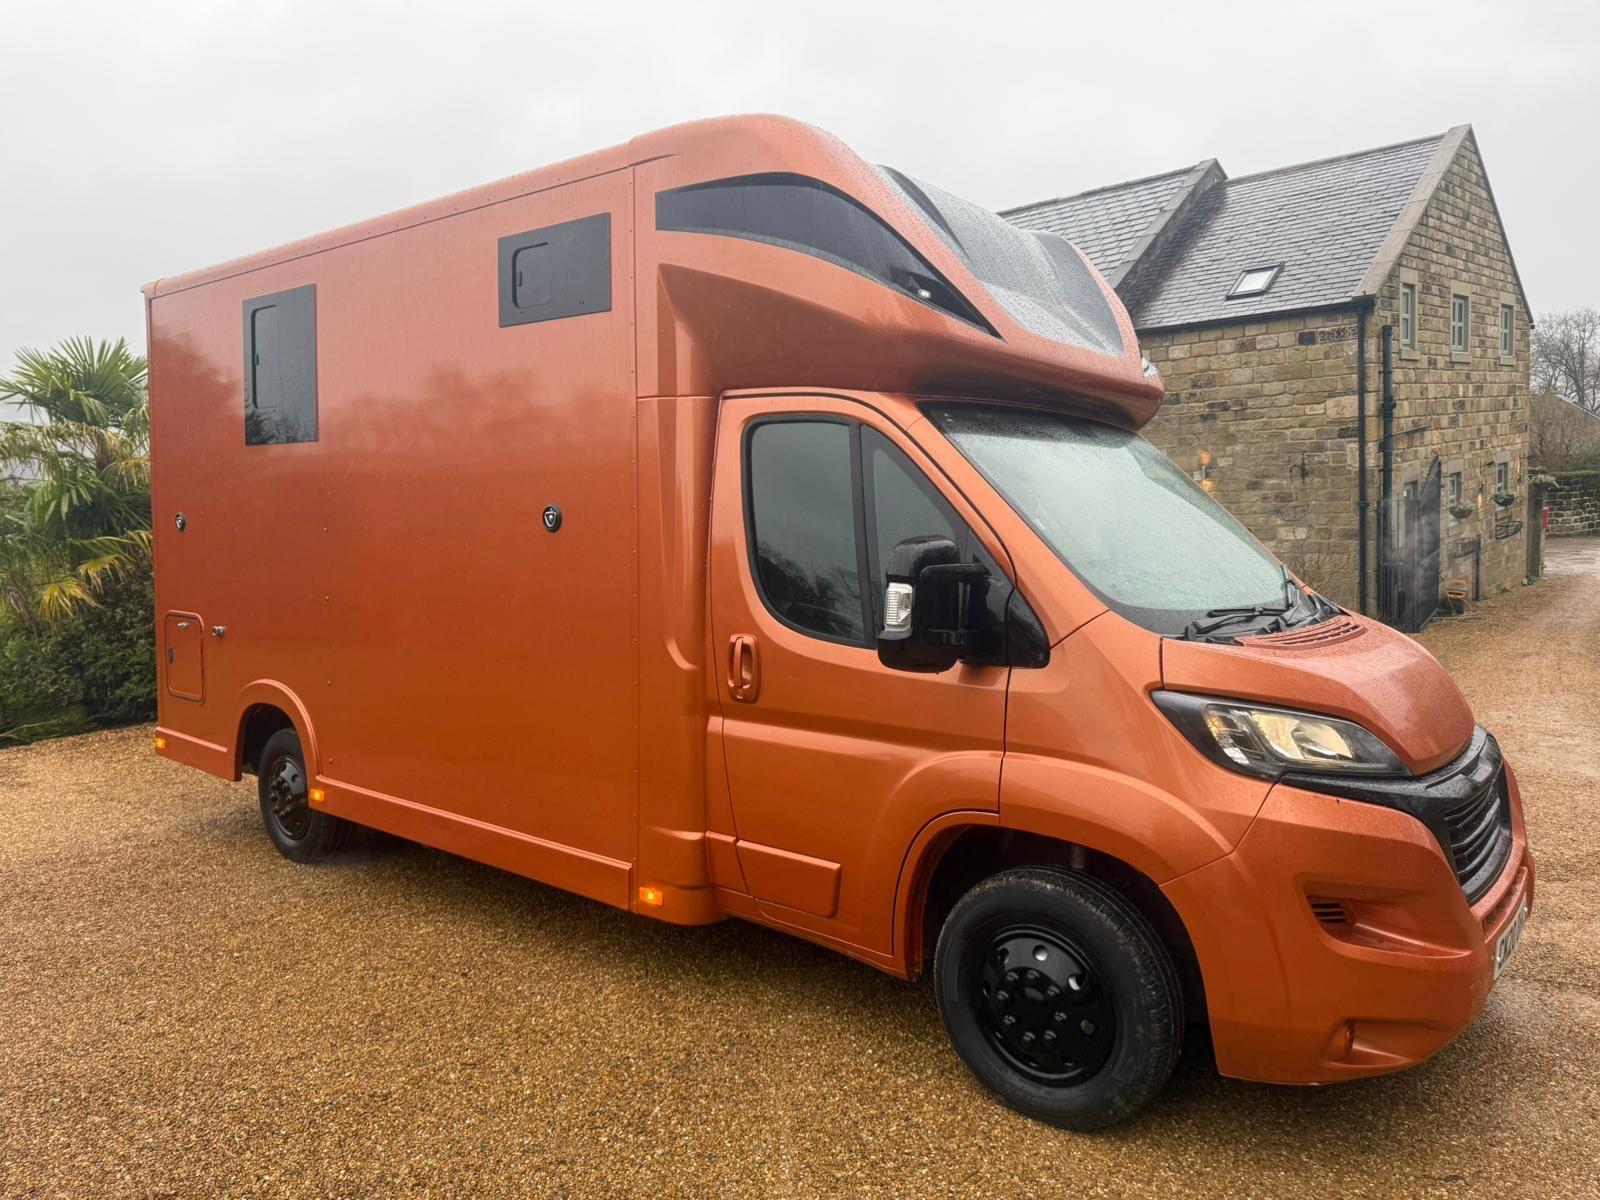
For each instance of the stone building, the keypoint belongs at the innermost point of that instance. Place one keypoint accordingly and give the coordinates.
(1262, 299)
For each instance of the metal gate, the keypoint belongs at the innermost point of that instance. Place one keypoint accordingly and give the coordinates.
(1409, 576)
(1419, 566)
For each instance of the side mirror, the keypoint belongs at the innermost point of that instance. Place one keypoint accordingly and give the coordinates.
(923, 607)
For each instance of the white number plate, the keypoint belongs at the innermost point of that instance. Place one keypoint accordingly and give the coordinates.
(1506, 944)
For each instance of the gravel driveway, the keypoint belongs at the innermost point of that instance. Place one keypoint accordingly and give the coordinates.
(184, 1013)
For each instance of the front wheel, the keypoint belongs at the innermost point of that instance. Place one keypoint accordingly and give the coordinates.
(1059, 996)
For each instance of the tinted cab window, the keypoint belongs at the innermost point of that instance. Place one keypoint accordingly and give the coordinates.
(803, 524)
(828, 501)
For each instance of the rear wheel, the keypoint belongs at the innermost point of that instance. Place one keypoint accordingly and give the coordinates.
(300, 833)
(1059, 996)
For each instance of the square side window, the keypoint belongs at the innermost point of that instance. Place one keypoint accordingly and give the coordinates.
(559, 271)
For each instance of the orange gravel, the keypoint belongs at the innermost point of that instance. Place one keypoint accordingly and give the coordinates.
(184, 1013)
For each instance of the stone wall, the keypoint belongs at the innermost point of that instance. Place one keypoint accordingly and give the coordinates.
(1264, 412)
(1470, 410)
(1574, 503)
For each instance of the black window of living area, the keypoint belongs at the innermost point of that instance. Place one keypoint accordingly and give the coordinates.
(280, 367)
(559, 271)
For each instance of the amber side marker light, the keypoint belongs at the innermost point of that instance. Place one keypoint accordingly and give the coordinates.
(652, 896)
(318, 795)
(161, 743)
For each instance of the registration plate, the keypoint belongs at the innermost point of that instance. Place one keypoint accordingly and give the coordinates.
(1506, 944)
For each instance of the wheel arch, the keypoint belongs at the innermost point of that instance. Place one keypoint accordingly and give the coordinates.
(266, 706)
(957, 852)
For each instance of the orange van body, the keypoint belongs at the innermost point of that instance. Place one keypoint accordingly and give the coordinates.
(608, 705)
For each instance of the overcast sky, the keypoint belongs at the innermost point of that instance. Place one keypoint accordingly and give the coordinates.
(146, 139)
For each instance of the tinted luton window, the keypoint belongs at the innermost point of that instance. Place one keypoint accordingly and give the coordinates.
(1037, 277)
(804, 528)
(804, 214)
(559, 271)
(280, 367)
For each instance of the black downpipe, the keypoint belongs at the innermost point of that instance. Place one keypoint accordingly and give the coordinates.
(1361, 458)
(1386, 588)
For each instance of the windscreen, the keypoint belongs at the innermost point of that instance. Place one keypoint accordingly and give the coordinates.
(1038, 278)
(1134, 528)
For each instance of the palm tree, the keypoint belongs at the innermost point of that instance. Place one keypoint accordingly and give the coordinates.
(75, 511)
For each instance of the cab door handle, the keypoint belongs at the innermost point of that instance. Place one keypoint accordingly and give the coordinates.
(744, 674)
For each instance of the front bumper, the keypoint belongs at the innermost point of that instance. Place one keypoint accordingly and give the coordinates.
(1336, 942)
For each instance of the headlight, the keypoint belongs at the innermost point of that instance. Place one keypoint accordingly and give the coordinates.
(1262, 740)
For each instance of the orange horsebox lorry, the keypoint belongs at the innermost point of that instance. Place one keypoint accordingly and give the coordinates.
(719, 525)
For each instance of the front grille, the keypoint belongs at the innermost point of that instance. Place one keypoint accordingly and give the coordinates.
(1465, 804)
(1479, 837)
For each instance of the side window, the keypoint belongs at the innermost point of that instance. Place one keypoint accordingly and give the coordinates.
(804, 525)
(559, 271)
(900, 504)
(280, 367)
(799, 213)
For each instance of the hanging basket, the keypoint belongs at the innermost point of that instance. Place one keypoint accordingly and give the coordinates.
(1504, 499)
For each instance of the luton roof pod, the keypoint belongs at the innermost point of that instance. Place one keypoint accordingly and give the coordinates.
(741, 226)
(744, 223)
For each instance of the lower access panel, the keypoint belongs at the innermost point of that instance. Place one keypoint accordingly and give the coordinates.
(184, 669)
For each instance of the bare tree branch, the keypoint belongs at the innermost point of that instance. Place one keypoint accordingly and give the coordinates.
(1566, 356)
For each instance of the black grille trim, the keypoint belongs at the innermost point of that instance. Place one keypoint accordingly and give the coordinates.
(1465, 804)
(1480, 837)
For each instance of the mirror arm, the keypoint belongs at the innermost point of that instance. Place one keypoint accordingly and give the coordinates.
(967, 572)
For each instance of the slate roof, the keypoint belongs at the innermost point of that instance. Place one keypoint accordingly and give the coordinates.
(1324, 221)
(1107, 223)
(1174, 245)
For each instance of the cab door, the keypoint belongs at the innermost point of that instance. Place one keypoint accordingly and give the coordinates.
(834, 761)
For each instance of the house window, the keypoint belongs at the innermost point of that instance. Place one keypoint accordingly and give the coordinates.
(280, 367)
(1454, 488)
(1458, 324)
(1502, 478)
(1408, 314)
(1508, 317)
(1255, 281)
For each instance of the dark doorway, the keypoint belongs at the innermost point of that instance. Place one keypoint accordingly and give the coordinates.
(1409, 582)
(1417, 571)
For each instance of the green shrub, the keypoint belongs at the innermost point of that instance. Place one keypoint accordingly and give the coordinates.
(95, 668)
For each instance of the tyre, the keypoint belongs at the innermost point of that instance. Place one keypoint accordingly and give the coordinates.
(1058, 995)
(300, 833)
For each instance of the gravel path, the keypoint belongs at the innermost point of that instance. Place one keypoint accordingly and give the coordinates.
(184, 1013)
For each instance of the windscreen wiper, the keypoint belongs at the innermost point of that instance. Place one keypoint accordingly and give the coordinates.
(1237, 615)
(1278, 617)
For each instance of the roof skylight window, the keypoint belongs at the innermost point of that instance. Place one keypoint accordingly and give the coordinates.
(1255, 281)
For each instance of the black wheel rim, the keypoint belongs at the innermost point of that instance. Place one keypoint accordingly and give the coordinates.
(286, 798)
(1043, 1005)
